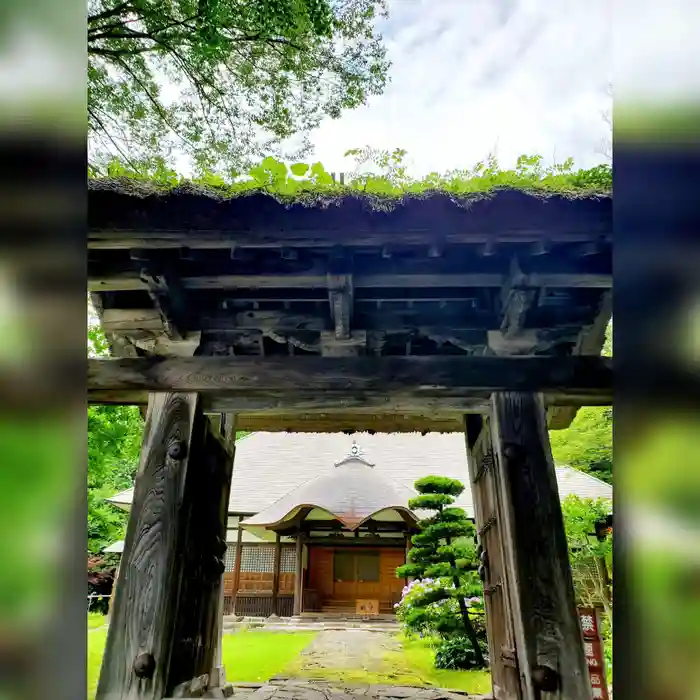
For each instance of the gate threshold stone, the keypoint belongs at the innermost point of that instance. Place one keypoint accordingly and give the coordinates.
(297, 689)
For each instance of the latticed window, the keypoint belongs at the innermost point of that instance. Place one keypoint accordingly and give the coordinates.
(230, 559)
(288, 561)
(258, 559)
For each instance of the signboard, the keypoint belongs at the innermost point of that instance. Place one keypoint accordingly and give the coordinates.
(593, 651)
(367, 607)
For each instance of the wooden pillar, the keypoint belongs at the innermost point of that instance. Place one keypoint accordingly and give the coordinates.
(163, 630)
(217, 675)
(237, 564)
(299, 577)
(276, 575)
(547, 632)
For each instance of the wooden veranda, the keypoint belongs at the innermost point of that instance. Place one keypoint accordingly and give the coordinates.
(246, 314)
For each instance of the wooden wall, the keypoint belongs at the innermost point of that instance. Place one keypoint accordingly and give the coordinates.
(343, 595)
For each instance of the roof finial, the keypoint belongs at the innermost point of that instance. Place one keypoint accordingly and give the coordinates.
(354, 454)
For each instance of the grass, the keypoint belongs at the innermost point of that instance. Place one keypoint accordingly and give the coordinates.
(418, 654)
(247, 656)
(97, 638)
(96, 620)
(413, 665)
(256, 656)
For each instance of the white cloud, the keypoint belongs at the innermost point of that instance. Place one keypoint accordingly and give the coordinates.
(474, 76)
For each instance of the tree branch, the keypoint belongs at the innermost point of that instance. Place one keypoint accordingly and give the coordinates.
(109, 136)
(106, 14)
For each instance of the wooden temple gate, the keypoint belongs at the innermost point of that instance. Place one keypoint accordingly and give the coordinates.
(431, 317)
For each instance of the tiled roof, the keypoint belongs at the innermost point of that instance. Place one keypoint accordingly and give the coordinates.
(270, 465)
(352, 492)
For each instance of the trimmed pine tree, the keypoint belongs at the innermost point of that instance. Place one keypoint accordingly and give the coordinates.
(442, 551)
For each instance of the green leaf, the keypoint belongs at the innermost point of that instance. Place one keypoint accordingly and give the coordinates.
(299, 169)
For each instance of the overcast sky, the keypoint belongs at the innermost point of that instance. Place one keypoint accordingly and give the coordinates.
(473, 76)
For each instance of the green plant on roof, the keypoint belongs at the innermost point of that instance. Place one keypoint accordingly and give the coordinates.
(443, 559)
(379, 175)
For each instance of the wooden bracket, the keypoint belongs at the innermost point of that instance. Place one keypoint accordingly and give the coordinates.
(516, 300)
(170, 299)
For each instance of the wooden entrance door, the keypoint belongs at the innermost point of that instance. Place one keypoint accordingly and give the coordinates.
(488, 511)
(356, 574)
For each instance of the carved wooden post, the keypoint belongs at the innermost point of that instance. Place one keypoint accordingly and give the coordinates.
(163, 628)
(276, 575)
(547, 633)
(299, 577)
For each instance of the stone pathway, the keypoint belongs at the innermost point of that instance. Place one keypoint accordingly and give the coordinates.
(348, 649)
(309, 623)
(317, 690)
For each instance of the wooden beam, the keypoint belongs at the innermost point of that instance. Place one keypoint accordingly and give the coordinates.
(450, 320)
(167, 594)
(132, 282)
(359, 406)
(342, 541)
(587, 378)
(547, 633)
(110, 239)
(358, 423)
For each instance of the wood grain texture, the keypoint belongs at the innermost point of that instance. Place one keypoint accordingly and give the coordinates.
(421, 376)
(547, 632)
(204, 526)
(227, 433)
(145, 608)
(167, 600)
(488, 511)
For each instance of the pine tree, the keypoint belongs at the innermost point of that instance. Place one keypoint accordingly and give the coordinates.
(439, 553)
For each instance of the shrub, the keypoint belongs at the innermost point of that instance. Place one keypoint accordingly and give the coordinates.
(456, 653)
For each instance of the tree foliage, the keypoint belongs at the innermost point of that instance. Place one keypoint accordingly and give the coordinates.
(114, 443)
(225, 80)
(441, 559)
(590, 557)
(587, 443)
